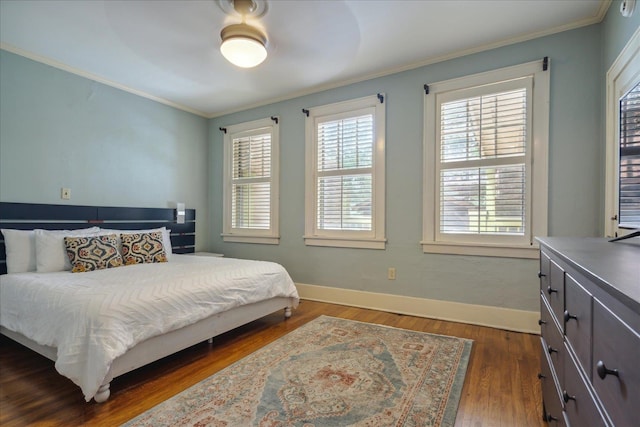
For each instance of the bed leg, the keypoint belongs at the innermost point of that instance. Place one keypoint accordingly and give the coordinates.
(287, 312)
(103, 393)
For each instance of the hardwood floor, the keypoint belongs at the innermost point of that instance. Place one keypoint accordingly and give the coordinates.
(501, 387)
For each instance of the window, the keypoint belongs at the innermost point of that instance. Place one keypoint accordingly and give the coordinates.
(623, 142)
(629, 160)
(483, 192)
(251, 182)
(345, 174)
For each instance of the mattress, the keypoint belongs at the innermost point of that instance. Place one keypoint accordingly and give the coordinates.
(92, 318)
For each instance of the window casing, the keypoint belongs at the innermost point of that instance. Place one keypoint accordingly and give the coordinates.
(622, 182)
(483, 192)
(344, 186)
(251, 186)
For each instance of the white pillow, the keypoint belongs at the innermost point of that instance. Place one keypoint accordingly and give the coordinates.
(20, 247)
(51, 254)
(166, 237)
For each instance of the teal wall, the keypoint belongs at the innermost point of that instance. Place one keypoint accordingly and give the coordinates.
(574, 177)
(110, 147)
(616, 32)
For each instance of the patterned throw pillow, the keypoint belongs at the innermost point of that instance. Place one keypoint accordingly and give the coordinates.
(93, 252)
(139, 248)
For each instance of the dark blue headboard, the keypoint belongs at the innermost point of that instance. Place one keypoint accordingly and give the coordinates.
(28, 216)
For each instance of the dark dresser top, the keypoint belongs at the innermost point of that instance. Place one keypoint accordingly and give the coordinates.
(613, 266)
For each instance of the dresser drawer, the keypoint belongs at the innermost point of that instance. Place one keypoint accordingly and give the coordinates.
(552, 403)
(554, 292)
(579, 403)
(543, 274)
(553, 340)
(577, 318)
(547, 320)
(616, 366)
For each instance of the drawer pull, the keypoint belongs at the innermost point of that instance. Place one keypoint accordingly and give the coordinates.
(540, 376)
(603, 371)
(568, 316)
(566, 396)
(541, 322)
(551, 418)
(552, 350)
(541, 275)
(550, 290)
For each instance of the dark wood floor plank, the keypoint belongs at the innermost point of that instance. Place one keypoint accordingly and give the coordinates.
(501, 387)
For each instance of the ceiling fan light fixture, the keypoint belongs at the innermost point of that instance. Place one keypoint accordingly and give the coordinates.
(243, 45)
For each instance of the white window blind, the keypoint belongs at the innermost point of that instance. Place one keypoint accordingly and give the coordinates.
(345, 174)
(251, 182)
(345, 160)
(485, 162)
(483, 143)
(629, 164)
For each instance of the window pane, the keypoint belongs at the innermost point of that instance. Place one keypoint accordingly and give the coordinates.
(488, 126)
(251, 186)
(488, 200)
(345, 144)
(629, 173)
(250, 205)
(252, 156)
(344, 202)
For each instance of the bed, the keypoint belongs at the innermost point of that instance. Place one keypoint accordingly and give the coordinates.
(100, 324)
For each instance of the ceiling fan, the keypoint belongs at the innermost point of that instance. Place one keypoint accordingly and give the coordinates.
(243, 45)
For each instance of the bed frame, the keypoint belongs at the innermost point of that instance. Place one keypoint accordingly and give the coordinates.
(28, 216)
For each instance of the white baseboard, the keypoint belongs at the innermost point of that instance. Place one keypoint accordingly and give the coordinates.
(495, 317)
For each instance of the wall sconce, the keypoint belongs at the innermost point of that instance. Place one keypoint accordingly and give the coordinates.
(180, 213)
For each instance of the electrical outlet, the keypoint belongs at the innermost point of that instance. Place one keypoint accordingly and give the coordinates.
(65, 193)
(391, 273)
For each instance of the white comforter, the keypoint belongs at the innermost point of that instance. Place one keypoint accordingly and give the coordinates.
(92, 318)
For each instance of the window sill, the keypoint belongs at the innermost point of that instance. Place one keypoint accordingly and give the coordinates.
(344, 242)
(503, 251)
(264, 240)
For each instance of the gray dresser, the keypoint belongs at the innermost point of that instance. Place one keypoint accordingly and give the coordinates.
(590, 331)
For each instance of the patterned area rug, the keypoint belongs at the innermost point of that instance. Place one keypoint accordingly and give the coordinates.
(329, 372)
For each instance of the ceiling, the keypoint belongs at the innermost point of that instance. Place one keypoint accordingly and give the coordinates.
(168, 50)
